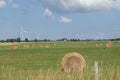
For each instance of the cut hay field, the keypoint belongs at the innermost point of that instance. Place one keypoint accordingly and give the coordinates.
(41, 60)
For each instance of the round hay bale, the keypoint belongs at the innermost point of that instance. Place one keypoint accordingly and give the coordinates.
(109, 44)
(47, 46)
(73, 62)
(26, 46)
(33, 45)
(14, 47)
(40, 46)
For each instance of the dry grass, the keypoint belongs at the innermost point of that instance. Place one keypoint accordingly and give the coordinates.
(73, 62)
(11, 73)
(8, 44)
(8, 73)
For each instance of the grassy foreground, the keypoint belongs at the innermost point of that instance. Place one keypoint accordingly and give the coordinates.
(41, 61)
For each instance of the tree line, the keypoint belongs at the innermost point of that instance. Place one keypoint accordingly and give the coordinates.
(20, 40)
(47, 40)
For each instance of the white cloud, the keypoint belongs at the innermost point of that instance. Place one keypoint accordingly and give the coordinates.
(65, 19)
(12, 4)
(2, 3)
(81, 6)
(117, 4)
(48, 13)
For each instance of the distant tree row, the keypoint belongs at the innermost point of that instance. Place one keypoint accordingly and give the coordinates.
(65, 39)
(47, 40)
(25, 40)
(117, 39)
(15, 40)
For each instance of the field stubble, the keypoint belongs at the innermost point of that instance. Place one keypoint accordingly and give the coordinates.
(44, 63)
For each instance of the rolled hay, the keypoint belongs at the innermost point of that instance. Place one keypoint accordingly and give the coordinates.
(26, 46)
(40, 46)
(14, 47)
(73, 62)
(33, 45)
(109, 44)
(47, 46)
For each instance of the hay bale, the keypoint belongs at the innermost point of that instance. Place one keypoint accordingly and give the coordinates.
(26, 46)
(73, 62)
(47, 46)
(14, 47)
(109, 44)
(40, 46)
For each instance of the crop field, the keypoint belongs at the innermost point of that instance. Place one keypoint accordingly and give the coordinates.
(41, 60)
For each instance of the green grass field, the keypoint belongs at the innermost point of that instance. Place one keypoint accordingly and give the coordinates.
(41, 60)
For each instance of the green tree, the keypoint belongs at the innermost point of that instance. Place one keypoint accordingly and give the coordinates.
(18, 39)
(26, 40)
(36, 40)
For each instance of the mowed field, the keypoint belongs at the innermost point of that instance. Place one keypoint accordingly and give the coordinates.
(41, 60)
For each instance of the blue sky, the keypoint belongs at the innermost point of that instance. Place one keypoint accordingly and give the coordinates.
(55, 19)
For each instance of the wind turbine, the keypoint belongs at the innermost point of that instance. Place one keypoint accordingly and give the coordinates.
(38, 36)
(22, 33)
(101, 36)
(80, 36)
(77, 35)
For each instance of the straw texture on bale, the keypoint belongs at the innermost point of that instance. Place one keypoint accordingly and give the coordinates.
(14, 46)
(73, 62)
(109, 44)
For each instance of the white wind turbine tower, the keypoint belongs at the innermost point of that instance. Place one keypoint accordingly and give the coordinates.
(101, 36)
(22, 33)
(38, 36)
(77, 35)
